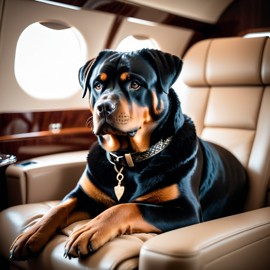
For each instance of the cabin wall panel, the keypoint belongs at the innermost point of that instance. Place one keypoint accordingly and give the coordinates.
(170, 39)
(94, 26)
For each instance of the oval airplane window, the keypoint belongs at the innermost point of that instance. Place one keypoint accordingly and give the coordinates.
(132, 43)
(48, 57)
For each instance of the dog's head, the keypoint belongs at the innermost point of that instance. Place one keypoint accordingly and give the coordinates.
(128, 95)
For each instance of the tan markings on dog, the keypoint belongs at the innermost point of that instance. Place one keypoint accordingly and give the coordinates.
(103, 77)
(161, 195)
(95, 193)
(73, 217)
(141, 141)
(122, 118)
(156, 105)
(111, 143)
(124, 219)
(71, 202)
(124, 76)
(90, 104)
(37, 235)
(130, 214)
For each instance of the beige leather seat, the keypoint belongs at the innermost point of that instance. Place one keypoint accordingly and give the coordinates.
(227, 93)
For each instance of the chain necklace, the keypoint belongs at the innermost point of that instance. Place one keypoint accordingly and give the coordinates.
(129, 159)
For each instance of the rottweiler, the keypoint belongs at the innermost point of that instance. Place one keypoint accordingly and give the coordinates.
(148, 170)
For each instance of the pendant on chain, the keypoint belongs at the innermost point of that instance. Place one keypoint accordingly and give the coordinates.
(119, 190)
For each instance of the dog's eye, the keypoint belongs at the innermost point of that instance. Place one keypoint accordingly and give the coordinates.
(134, 85)
(98, 86)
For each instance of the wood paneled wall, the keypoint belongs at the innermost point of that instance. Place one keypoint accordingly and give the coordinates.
(243, 16)
(28, 134)
(240, 17)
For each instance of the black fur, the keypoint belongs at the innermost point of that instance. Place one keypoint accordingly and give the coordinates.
(211, 181)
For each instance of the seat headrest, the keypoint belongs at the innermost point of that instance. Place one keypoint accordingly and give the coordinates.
(228, 61)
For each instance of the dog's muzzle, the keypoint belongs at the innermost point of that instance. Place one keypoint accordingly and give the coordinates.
(105, 108)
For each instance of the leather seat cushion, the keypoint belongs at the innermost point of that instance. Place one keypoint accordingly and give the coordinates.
(120, 253)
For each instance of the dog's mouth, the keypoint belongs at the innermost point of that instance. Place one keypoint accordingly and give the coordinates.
(106, 129)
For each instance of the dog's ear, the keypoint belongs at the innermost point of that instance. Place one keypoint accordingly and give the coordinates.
(84, 75)
(85, 72)
(167, 67)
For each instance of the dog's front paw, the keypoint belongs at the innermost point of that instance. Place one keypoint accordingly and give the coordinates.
(29, 243)
(88, 239)
(98, 231)
(75, 251)
(26, 246)
(34, 240)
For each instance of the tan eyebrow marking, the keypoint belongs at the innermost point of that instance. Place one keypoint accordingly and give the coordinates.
(124, 76)
(103, 76)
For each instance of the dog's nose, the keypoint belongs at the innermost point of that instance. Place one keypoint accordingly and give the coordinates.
(105, 108)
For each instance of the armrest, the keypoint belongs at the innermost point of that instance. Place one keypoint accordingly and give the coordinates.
(236, 242)
(44, 178)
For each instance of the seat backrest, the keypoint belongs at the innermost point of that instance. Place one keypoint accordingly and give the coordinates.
(226, 92)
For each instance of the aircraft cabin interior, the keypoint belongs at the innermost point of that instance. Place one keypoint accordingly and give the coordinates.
(46, 122)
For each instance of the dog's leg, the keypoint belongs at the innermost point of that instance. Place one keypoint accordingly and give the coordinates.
(115, 221)
(126, 219)
(32, 241)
